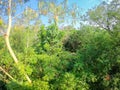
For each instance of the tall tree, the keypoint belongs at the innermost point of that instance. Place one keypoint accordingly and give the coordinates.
(106, 15)
(58, 11)
(7, 34)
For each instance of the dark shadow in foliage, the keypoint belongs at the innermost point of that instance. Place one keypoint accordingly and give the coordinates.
(114, 69)
(2, 85)
(72, 43)
(96, 85)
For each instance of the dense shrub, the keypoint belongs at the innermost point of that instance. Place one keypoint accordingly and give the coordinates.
(87, 59)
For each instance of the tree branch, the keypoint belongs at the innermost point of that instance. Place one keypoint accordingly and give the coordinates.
(7, 73)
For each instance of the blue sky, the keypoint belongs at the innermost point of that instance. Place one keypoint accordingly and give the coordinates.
(84, 4)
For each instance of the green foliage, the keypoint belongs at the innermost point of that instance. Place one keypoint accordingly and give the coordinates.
(48, 40)
(67, 82)
(93, 63)
(97, 59)
(40, 85)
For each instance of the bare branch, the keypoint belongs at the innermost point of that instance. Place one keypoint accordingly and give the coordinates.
(7, 73)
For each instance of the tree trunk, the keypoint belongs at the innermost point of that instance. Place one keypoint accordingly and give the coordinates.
(7, 39)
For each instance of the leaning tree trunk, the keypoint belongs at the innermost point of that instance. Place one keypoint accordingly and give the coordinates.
(8, 41)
